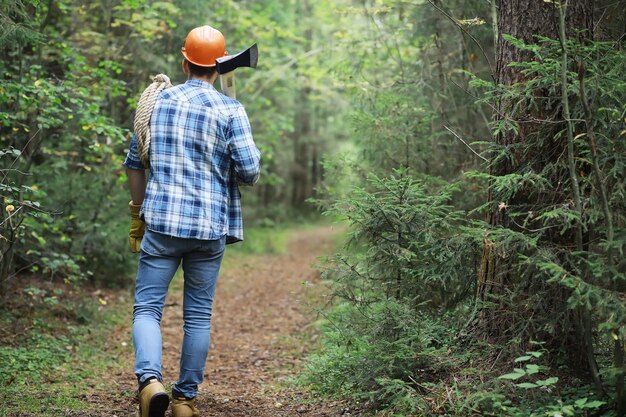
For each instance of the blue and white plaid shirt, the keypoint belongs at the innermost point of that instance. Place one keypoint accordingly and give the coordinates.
(201, 148)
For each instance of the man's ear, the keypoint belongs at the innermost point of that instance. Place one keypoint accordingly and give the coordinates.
(185, 66)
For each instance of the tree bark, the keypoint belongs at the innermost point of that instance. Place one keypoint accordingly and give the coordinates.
(524, 20)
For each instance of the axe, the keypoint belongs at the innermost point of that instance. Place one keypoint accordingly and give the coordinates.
(226, 67)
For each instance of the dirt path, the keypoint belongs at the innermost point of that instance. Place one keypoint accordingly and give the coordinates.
(257, 336)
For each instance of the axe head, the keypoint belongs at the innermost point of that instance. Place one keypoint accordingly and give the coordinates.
(247, 58)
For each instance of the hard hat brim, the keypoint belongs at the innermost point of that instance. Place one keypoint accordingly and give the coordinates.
(182, 50)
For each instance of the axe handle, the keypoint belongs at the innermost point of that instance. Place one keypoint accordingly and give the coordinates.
(227, 82)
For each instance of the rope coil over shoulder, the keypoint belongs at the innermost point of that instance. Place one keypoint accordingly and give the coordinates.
(145, 107)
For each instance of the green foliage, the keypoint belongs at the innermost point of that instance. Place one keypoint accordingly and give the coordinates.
(539, 397)
(30, 365)
(64, 115)
(406, 244)
(377, 355)
(404, 263)
(16, 25)
(529, 370)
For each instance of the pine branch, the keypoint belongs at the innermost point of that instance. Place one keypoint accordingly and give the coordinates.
(465, 143)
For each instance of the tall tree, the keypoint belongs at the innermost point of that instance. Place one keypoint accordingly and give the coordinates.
(530, 138)
(302, 125)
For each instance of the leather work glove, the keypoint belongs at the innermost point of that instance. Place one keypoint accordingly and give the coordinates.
(137, 228)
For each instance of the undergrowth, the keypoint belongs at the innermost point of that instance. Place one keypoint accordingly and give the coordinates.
(399, 336)
(56, 346)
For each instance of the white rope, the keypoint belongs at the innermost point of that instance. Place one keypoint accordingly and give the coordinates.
(145, 107)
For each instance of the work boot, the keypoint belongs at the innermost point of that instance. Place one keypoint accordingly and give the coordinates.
(153, 400)
(183, 407)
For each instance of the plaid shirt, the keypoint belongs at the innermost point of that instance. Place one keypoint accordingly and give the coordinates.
(201, 148)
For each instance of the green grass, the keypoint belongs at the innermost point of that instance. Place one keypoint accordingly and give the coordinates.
(262, 241)
(60, 351)
(269, 240)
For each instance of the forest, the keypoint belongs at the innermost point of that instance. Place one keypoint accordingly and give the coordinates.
(469, 155)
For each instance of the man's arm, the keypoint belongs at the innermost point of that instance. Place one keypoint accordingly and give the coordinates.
(136, 185)
(244, 153)
(136, 174)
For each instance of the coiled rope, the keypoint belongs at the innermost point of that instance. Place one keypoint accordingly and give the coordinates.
(145, 107)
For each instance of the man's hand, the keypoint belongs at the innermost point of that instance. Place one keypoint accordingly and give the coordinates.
(137, 228)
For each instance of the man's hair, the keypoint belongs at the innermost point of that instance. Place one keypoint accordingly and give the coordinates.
(199, 71)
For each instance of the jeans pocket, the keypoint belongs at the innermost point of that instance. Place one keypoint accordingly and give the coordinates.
(153, 244)
(213, 247)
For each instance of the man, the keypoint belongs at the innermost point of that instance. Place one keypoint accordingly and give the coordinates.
(201, 148)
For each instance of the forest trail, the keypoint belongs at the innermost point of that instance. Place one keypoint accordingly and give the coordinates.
(257, 336)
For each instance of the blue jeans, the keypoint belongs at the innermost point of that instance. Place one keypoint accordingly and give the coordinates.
(159, 259)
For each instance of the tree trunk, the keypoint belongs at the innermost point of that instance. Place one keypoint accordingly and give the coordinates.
(302, 124)
(523, 19)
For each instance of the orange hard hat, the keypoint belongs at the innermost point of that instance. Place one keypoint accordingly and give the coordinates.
(203, 46)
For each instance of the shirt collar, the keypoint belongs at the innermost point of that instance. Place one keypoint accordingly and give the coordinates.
(200, 83)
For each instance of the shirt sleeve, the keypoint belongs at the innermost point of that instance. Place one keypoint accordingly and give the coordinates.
(245, 156)
(132, 159)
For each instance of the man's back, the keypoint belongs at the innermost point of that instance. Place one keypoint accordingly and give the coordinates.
(201, 147)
